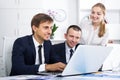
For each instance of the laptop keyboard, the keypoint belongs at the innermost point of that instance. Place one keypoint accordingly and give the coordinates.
(49, 73)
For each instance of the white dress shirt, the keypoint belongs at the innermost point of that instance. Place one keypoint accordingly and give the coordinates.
(42, 66)
(68, 52)
(90, 36)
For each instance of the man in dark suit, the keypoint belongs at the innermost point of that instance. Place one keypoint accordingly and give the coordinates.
(62, 52)
(27, 57)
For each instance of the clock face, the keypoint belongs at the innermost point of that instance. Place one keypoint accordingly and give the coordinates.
(60, 15)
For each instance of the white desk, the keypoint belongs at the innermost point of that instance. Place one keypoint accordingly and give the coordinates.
(97, 76)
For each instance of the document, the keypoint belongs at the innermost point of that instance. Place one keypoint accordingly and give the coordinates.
(25, 77)
(107, 74)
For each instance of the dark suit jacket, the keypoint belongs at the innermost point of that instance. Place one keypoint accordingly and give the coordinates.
(58, 53)
(24, 55)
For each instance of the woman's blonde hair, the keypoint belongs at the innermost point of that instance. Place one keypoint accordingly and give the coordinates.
(102, 24)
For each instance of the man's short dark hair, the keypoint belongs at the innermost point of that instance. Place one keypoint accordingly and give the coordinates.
(40, 18)
(74, 27)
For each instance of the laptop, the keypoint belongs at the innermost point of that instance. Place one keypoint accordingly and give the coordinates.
(86, 59)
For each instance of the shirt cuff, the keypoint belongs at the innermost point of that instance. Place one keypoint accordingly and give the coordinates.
(41, 68)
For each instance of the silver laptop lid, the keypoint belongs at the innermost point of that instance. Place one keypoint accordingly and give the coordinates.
(86, 59)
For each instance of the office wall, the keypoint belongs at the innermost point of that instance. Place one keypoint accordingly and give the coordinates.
(16, 15)
(112, 15)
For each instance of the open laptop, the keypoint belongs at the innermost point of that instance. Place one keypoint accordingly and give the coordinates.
(86, 59)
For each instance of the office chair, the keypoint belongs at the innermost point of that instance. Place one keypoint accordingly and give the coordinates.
(7, 53)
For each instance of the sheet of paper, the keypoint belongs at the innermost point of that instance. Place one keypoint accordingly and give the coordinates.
(27, 77)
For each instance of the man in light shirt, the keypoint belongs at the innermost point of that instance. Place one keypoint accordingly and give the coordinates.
(25, 53)
(62, 52)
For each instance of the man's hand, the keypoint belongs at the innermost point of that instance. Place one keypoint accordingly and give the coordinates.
(55, 67)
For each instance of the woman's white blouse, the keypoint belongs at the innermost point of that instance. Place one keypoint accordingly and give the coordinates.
(90, 36)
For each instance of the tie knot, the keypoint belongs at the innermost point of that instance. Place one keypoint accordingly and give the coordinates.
(40, 46)
(71, 50)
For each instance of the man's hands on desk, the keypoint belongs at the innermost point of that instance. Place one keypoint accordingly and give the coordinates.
(55, 67)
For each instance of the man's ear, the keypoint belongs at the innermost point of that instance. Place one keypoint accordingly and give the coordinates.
(34, 28)
(65, 35)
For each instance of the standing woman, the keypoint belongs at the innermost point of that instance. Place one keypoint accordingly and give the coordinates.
(94, 31)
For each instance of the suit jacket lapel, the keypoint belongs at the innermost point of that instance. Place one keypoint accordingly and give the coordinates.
(64, 52)
(32, 46)
(47, 47)
(77, 46)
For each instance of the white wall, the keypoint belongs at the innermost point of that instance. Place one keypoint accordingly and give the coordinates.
(16, 15)
(112, 15)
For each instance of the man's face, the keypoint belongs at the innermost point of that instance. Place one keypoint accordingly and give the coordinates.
(43, 32)
(72, 37)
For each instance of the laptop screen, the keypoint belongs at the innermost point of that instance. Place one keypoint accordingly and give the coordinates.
(86, 59)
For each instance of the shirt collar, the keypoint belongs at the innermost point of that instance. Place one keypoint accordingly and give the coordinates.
(35, 42)
(68, 48)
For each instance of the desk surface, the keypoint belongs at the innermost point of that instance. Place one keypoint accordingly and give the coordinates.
(97, 76)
